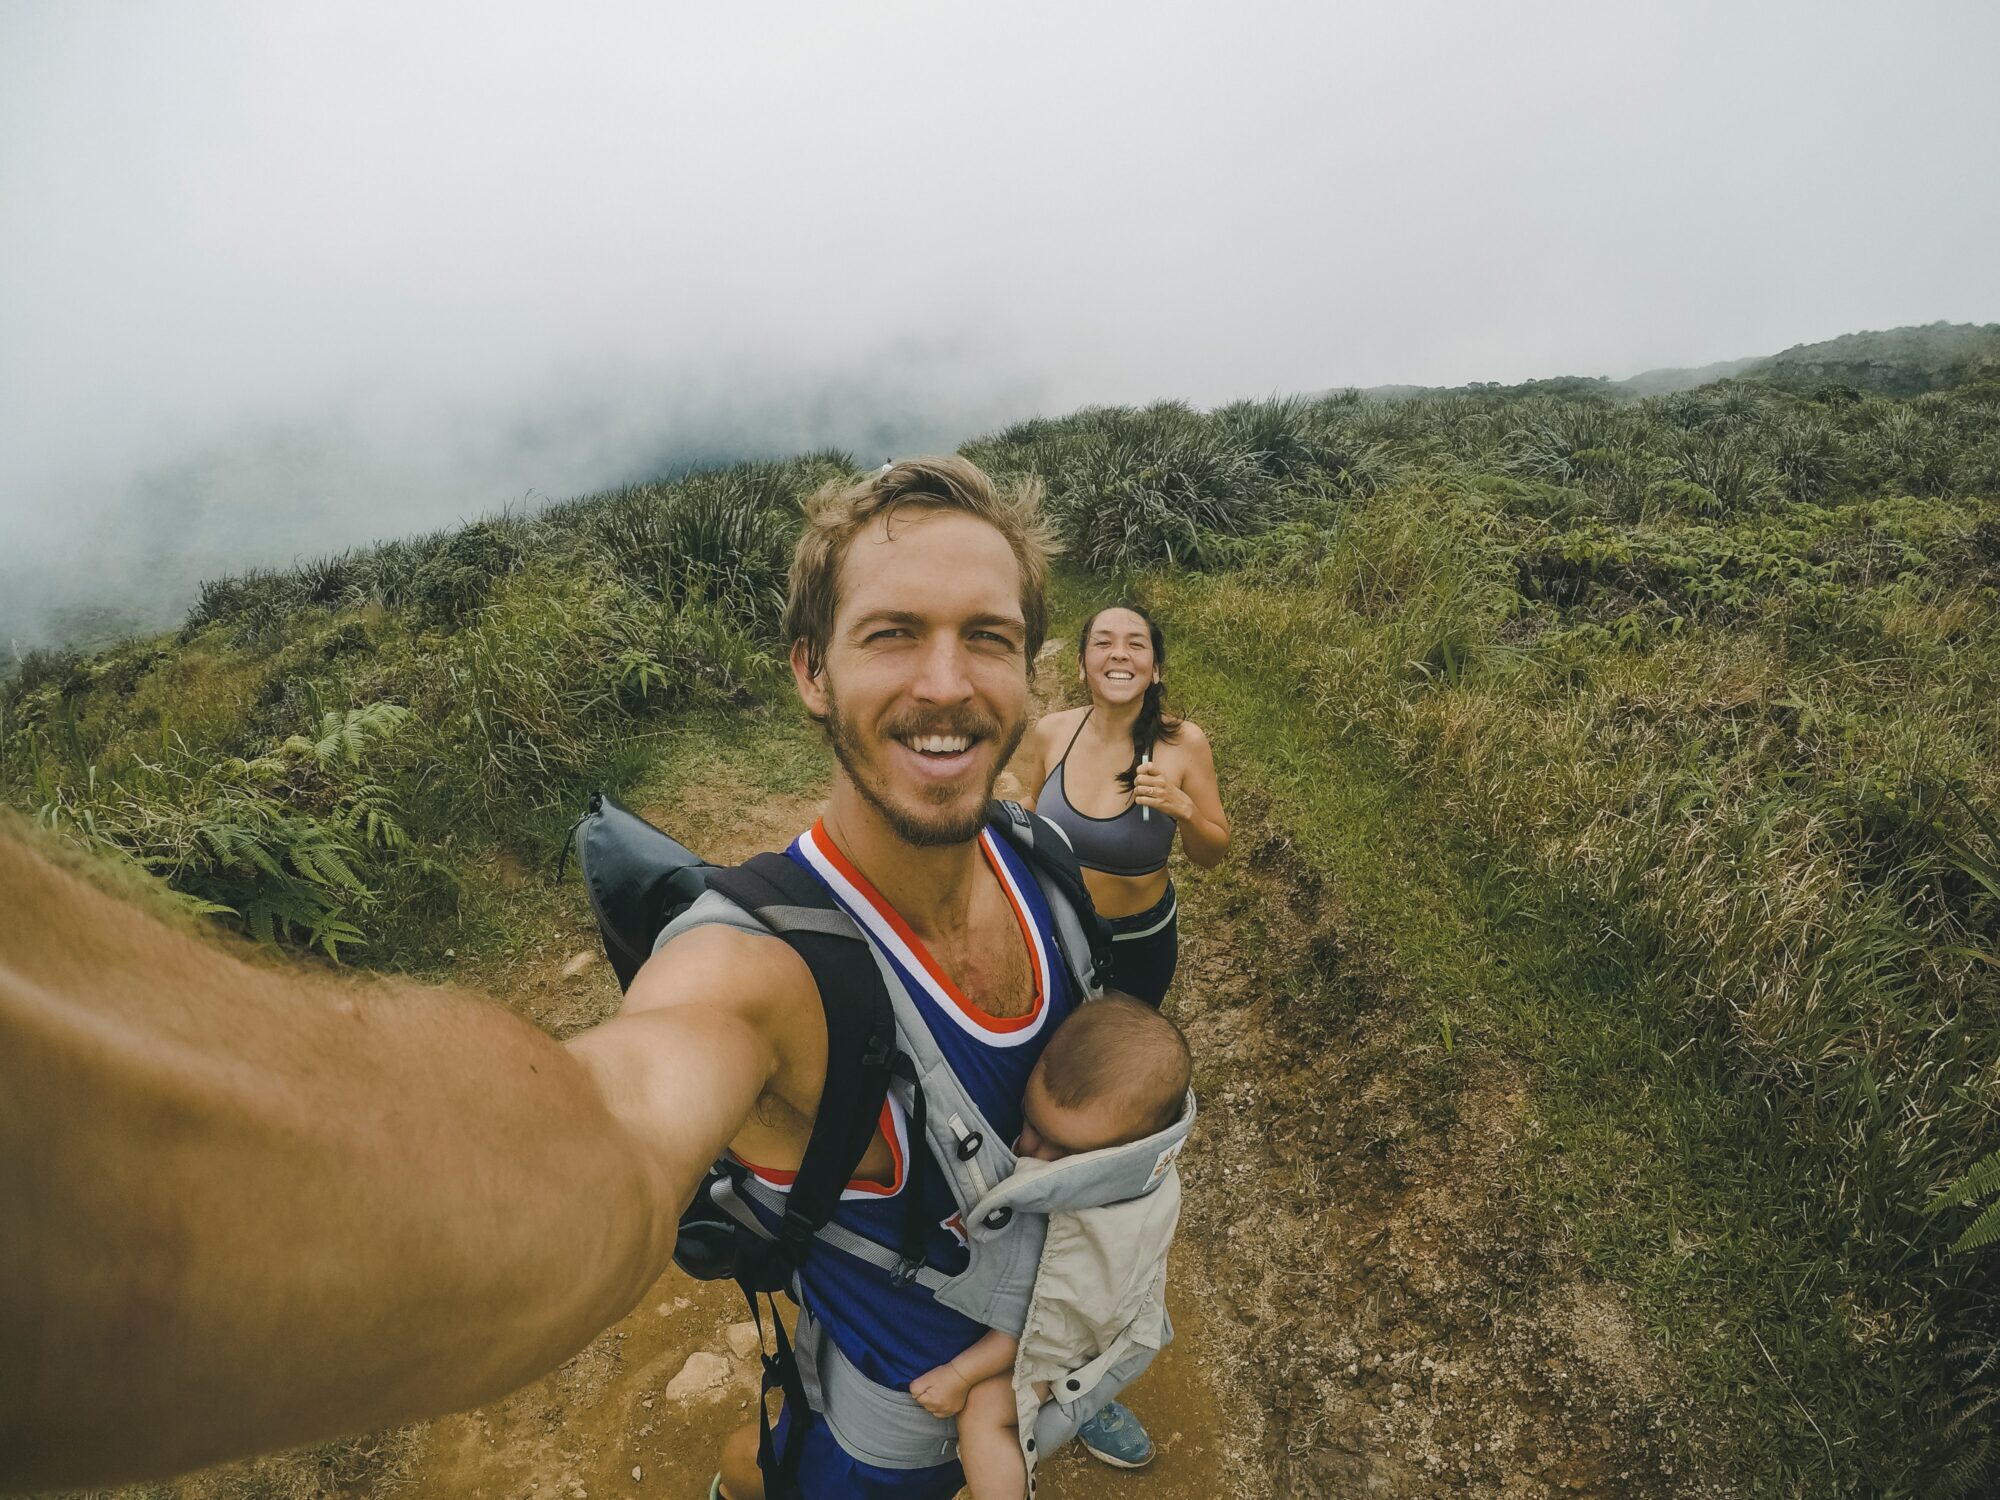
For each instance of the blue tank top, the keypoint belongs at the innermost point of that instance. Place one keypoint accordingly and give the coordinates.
(1130, 844)
(895, 1333)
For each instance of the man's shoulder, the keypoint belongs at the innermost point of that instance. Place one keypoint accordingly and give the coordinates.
(726, 958)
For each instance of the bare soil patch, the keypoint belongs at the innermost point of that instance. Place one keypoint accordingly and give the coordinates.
(1352, 1211)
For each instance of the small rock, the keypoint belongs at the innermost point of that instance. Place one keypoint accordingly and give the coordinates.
(743, 1339)
(578, 963)
(702, 1372)
(637, 1472)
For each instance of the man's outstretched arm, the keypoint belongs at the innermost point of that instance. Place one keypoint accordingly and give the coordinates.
(243, 1206)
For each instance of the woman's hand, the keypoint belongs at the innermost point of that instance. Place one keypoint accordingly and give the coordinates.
(941, 1392)
(1153, 790)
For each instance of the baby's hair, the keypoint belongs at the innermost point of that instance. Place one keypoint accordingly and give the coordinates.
(1122, 1050)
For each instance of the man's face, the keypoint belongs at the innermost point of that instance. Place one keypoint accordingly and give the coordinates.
(924, 686)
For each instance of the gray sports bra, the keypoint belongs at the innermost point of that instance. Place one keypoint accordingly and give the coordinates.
(1129, 844)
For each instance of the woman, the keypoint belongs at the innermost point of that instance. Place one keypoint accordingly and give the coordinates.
(1121, 778)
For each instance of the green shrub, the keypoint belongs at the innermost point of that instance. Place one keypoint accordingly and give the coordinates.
(289, 844)
(253, 599)
(713, 538)
(40, 667)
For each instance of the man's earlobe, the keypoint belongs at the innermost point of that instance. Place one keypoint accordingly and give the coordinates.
(806, 676)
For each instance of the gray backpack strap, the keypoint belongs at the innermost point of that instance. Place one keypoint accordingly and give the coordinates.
(858, 1246)
(711, 907)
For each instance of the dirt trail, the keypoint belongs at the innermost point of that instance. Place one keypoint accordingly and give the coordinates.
(658, 1391)
(1358, 1310)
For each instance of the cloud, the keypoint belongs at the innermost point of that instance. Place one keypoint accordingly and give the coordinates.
(377, 266)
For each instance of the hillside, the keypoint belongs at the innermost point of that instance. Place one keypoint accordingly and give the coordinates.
(1894, 362)
(1609, 977)
(1666, 381)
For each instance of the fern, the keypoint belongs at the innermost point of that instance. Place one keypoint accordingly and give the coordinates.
(369, 816)
(343, 737)
(1982, 1181)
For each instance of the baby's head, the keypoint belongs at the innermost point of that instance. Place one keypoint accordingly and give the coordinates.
(1116, 1071)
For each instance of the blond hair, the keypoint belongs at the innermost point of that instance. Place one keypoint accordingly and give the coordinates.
(839, 513)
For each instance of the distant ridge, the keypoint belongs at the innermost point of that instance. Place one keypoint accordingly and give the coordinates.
(1894, 362)
(1666, 382)
(1890, 362)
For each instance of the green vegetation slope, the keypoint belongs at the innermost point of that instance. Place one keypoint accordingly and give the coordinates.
(1658, 740)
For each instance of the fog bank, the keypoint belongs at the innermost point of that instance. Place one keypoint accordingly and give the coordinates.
(278, 280)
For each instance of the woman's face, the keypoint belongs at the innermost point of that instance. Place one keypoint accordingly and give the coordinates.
(1118, 663)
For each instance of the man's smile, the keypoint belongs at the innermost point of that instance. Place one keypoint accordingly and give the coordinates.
(938, 757)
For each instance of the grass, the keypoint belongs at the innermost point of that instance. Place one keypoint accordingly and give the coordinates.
(1710, 899)
(519, 661)
(1650, 1165)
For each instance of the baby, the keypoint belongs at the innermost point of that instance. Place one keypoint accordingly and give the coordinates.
(1115, 1072)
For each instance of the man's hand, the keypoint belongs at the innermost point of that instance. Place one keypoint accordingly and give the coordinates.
(941, 1392)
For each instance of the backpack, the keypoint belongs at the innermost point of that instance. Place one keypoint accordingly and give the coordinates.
(638, 880)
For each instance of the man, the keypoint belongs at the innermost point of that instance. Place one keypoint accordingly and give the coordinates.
(240, 1209)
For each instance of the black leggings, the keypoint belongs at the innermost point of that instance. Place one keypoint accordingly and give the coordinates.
(1145, 947)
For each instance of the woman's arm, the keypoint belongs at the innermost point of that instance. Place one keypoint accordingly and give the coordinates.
(1192, 799)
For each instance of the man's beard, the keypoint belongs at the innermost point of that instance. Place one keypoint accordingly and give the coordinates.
(946, 824)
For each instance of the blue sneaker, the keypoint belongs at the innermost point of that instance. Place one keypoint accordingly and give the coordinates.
(1115, 1437)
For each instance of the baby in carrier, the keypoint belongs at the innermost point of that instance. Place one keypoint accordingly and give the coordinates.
(1115, 1072)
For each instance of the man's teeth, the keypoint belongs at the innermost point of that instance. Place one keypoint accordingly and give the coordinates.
(941, 744)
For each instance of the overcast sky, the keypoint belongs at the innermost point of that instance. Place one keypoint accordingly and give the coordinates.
(277, 278)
